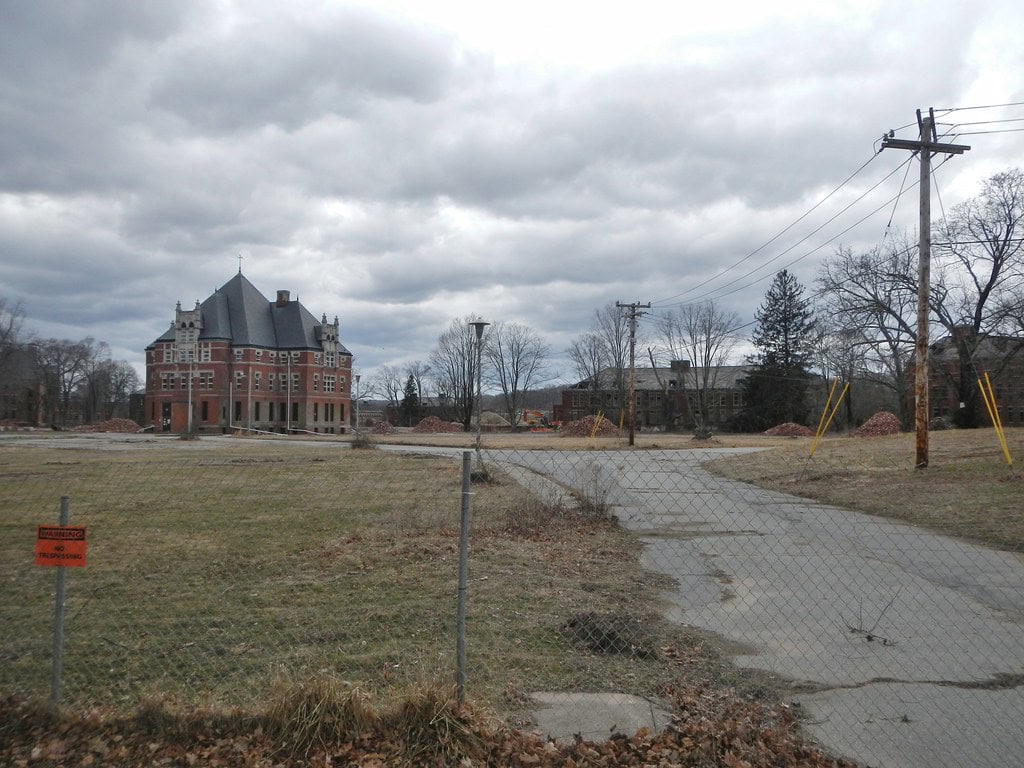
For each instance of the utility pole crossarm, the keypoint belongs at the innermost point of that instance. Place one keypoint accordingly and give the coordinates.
(931, 146)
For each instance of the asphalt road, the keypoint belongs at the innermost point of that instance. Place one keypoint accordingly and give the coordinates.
(906, 647)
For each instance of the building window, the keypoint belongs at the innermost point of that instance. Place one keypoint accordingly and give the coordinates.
(316, 412)
(257, 409)
(329, 382)
(205, 409)
(295, 382)
(270, 411)
(295, 412)
(238, 410)
(166, 381)
(204, 353)
(316, 382)
(238, 355)
(259, 354)
(316, 358)
(186, 354)
(256, 379)
(270, 381)
(330, 360)
(206, 379)
(168, 354)
(295, 355)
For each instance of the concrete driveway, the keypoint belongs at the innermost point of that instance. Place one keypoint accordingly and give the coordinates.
(906, 647)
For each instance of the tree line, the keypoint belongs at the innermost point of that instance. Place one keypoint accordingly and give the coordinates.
(858, 326)
(58, 382)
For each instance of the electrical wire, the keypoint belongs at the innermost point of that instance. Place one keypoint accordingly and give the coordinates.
(718, 292)
(773, 239)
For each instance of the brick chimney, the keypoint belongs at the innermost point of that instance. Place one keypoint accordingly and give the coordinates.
(282, 298)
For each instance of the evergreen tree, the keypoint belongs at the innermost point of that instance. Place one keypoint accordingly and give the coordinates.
(776, 387)
(410, 401)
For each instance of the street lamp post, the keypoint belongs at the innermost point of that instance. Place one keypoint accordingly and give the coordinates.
(357, 403)
(478, 327)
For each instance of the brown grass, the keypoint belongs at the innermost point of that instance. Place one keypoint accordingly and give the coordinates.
(968, 490)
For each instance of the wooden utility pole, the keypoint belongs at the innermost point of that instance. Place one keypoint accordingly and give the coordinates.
(926, 146)
(634, 313)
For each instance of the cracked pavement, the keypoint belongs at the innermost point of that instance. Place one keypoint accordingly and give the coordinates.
(905, 647)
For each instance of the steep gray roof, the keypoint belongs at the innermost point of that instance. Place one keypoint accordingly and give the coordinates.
(239, 313)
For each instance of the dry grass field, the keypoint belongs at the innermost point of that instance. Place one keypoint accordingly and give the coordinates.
(967, 490)
(217, 567)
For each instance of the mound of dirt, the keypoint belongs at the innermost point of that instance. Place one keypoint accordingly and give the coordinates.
(789, 429)
(434, 424)
(111, 425)
(383, 428)
(882, 423)
(589, 425)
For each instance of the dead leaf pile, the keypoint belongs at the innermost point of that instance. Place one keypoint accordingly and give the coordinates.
(710, 729)
(589, 425)
(789, 429)
(110, 425)
(433, 424)
(882, 423)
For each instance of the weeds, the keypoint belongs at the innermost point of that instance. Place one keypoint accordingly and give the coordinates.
(595, 486)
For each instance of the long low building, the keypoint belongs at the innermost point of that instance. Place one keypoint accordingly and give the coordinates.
(666, 398)
(238, 361)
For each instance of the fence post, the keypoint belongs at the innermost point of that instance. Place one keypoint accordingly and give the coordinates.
(460, 619)
(58, 618)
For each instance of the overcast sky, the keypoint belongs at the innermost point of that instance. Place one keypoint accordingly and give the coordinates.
(401, 164)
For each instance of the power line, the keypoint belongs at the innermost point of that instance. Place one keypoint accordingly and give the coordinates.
(773, 239)
(718, 292)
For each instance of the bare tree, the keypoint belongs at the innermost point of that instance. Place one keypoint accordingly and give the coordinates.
(388, 384)
(977, 290)
(517, 358)
(95, 379)
(601, 355)
(12, 320)
(122, 381)
(62, 364)
(612, 327)
(590, 358)
(705, 335)
(875, 295)
(453, 365)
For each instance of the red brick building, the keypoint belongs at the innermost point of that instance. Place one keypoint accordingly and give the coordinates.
(240, 362)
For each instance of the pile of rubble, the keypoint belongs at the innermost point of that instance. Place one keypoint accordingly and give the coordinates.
(383, 428)
(110, 425)
(882, 423)
(434, 424)
(789, 429)
(589, 425)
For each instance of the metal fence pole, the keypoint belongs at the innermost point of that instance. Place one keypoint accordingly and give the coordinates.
(58, 618)
(460, 620)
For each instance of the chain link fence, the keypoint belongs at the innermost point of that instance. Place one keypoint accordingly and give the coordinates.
(220, 568)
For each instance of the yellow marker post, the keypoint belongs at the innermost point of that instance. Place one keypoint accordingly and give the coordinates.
(988, 395)
(823, 425)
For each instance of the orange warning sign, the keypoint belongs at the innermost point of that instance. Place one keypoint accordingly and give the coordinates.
(60, 545)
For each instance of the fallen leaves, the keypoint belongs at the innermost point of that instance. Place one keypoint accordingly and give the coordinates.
(710, 728)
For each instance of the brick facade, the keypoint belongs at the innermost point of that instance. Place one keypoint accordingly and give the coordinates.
(240, 362)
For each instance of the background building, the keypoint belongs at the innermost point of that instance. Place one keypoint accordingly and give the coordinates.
(240, 362)
(666, 398)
